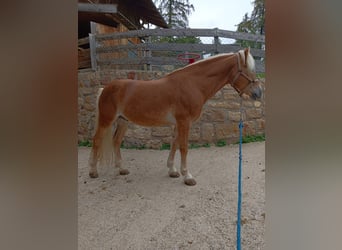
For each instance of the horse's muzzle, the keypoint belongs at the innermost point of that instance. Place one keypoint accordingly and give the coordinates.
(256, 93)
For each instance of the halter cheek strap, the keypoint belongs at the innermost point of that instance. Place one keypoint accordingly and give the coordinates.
(240, 73)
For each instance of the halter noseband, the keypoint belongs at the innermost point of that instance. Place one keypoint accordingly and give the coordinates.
(240, 73)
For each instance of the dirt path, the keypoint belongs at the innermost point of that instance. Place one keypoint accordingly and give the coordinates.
(148, 210)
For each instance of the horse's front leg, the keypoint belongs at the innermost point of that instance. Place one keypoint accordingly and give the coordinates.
(170, 161)
(183, 135)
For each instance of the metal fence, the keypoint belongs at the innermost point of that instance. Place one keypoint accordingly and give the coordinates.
(161, 49)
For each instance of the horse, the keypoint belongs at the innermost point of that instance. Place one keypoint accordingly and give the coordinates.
(175, 99)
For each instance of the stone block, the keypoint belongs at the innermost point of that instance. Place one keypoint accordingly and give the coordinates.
(208, 132)
(162, 131)
(167, 139)
(89, 107)
(253, 113)
(195, 133)
(216, 104)
(228, 87)
(153, 144)
(87, 91)
(257, 104)
(223, 131)
(249, 128)
(213, 115)
(234, 116)
(217, 96)
(234, 105)
(83, 113)
(230, 95)
(91, 99)
(248, 103)
(141, 132)
(80, 101)
(260, 124)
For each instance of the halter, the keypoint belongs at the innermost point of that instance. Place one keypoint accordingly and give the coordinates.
(240, 73)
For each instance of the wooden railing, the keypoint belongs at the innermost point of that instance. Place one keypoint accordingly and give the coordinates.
(116, 50)
(84, 59)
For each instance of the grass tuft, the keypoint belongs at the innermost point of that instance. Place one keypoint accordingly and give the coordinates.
(165, 146)
(220, 143)
(252, 138)
(85, 143)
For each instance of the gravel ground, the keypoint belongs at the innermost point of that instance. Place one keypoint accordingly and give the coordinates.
(149, 210)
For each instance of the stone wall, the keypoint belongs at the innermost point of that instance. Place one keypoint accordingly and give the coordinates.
(219, 119)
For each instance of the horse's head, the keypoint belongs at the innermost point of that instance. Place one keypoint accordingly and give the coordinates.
(245, 81)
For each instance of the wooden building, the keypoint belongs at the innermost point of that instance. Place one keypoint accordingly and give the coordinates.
(108, 16)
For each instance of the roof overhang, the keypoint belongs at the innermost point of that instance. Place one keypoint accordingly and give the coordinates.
(110, 14)
(98, 8)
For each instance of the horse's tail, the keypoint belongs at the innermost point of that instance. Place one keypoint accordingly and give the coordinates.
(99, 91)
(105, 147)
(106, 151)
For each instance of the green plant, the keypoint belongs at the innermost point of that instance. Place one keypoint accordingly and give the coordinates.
(252, 138)
(165, 146)
(139, 147)
(193, 146)
(260, 75)
(86, 143)
(220, 143)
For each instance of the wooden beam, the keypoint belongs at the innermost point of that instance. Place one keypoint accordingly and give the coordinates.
(98, 8)
(83, 41)
(260, 66)
(207, 48)
(183, 32)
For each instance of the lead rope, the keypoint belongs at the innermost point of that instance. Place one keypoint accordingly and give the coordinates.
(238, 223)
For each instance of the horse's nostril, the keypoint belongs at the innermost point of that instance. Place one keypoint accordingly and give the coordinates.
(256, 93)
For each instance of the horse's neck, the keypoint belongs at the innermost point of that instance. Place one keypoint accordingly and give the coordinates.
(211, 76)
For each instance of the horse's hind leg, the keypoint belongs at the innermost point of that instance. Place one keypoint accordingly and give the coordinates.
(96, 151)
(120, 131)
(172, 170)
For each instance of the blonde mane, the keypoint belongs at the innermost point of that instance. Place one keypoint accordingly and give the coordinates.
(201, 61)
(250, 60)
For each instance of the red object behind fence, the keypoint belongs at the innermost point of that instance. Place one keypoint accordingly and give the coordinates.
(188, 57)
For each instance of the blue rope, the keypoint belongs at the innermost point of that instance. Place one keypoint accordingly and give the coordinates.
(238, 224)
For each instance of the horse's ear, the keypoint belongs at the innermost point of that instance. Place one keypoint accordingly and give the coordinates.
(246, 55)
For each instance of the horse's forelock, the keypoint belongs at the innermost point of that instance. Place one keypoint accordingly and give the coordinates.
(250, 60)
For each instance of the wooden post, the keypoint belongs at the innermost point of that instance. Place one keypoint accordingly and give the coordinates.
(148, 66)
(92, 45)
(216, 40)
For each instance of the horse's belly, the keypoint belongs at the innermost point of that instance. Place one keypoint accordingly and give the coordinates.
(151, 118)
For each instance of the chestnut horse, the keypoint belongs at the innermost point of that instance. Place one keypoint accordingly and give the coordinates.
(176, 99)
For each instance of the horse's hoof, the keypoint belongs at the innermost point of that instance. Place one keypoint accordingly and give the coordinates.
(124, 172)
(174, 174)
(93, 174)
(190, 182)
